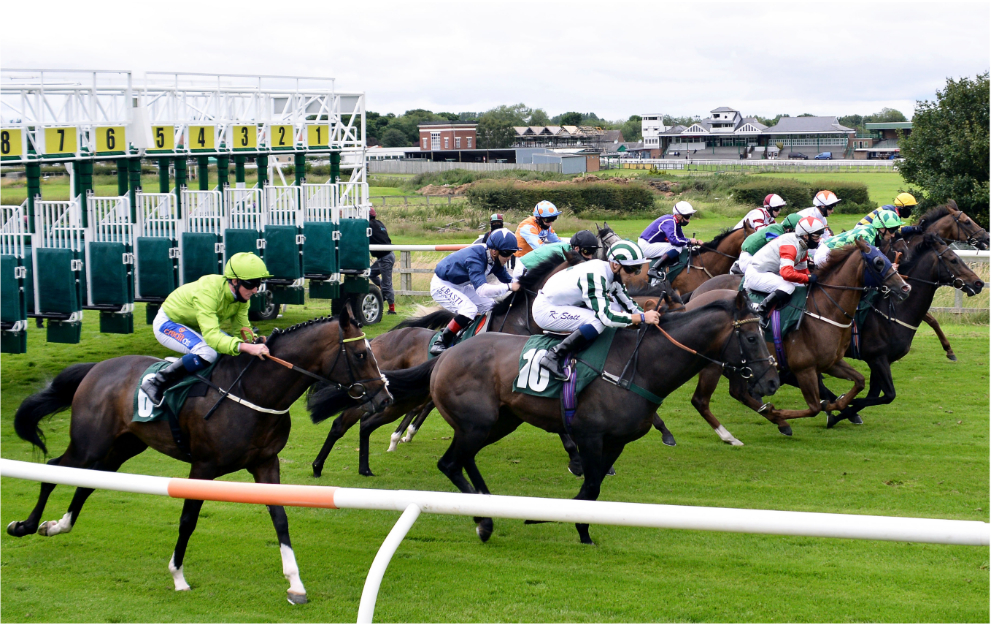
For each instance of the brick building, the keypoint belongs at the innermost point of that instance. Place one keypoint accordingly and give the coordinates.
(448, 136)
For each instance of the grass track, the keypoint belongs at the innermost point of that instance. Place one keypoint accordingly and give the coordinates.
(925, 456)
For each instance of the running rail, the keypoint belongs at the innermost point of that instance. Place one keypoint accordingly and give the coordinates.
(413, 502)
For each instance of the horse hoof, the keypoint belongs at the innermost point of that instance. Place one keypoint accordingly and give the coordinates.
(587, 541)
(484, 530)
(668, 439)
(855, 419)
(951, 356)
(43, 528)
(296, 599)
(575, 468)
(16, 528)
(785, 429)
(317, 470)
(611, 471)
(366, 472)
(832, 420)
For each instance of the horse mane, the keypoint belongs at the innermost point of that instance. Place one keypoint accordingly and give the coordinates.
(836, 259)
(672, 321)
(719, 238)
(277, 332)
(919, 246)
(533, 278)
(936, 213)
(648, 290)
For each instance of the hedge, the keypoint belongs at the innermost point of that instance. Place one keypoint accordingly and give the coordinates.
(501, 196)
(855, 196)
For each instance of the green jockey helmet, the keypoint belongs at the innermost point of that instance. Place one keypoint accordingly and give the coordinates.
(245, 266)
(791, 221)
(888, 219)
(626, 253)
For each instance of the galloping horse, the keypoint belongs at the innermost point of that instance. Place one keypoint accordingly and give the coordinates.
(888, 330)
(818, 344)
(247, 434)
(705, 261)
(482, 407)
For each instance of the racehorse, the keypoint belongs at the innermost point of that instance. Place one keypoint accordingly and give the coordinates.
(817, 345)
(246, 433)
(887, 332)
(483, 408)
(705, 261)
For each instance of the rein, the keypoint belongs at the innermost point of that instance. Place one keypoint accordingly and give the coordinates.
(737, 324)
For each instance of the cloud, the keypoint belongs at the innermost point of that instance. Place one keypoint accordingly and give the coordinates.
(615, 59)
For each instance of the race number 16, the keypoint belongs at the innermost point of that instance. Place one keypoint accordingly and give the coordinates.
(532, 375)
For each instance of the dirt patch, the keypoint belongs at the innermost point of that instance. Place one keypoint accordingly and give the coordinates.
(433, 189)
(663, 187)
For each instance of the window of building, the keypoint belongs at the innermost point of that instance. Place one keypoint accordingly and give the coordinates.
(434, 140)
(447, 142)
(469, 143)
(424, 143)
(457, 143)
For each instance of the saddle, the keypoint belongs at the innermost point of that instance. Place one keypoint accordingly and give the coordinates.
(659, 273)
(784, 319)
(479, 325)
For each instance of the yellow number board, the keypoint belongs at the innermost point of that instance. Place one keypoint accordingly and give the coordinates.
(281, 136)
(318, 135)
(163, 138)
(11, 144)
(201, 138)
(244, 137)
(60, 140)
(110, 139)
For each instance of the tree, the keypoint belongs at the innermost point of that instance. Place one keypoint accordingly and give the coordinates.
(886, 115)
(495, 132)
(631, 128)
(678, 121)
(394, 138)
(571, 119)
(538, 118)
(947, 152)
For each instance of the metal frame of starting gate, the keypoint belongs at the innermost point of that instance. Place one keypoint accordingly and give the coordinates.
(158, 216)
(59, 226)
(110, 222)
(13, 241)
(203, 213)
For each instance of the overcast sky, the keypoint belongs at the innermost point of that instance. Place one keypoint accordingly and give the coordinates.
(615, 58)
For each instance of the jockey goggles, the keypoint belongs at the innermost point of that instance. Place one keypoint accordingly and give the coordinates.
(633, 270)
(506, 253)
(251, 284)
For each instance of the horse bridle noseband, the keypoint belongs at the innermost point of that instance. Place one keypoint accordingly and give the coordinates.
(955, 281)
(972, 236)
(743, 369)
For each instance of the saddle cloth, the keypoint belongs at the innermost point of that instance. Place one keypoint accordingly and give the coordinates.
(789, 315)
(175, 397)
(537, 381)
(863, 308)
(674, 269)
(479, 325)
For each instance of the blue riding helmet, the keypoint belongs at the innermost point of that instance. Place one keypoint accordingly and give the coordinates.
(503, 240)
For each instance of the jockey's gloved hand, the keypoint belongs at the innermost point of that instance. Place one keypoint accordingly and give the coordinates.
(813, 279)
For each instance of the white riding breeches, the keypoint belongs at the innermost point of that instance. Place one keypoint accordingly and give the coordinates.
(180, 338)
(656, 250)
(560, 318)
(460, 299)
(744, 261)
(821, 256)
(766, 282)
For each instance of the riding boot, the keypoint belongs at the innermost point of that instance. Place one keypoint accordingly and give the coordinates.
(155, 387)
(770, 302)
(443, 341)
(554, 359)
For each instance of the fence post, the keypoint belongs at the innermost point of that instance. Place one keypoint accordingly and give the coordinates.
(449, 200)
(958, 300)
(405, 200)
(428, 200)
(405, 276)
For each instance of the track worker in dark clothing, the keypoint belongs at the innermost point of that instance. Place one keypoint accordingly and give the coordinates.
(495, 223)
(383, 260)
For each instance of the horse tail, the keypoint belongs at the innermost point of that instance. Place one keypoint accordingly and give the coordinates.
(433, 321)
(55, 397)
(410, 383)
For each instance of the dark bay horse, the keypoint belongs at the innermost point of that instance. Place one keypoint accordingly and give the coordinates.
(888, 330)
(103, 436)
(818, 344)
(705, 262)
(472, 387)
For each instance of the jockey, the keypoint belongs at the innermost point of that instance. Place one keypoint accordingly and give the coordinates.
(664, 239)
(189, 321)
(884, 227)
(753, 243)
(495, 223)
(586, 298)
(536, 230)
(904, 204)
(763, 217)
(822, 207)
(782, 264)
(583, 242)
(459, 283)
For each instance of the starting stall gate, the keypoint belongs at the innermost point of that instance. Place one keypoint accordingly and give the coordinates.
(110, 263)
(202, 240)
(320, 240)
(13, 279)
(58, 251)
(156, 250)
(284, 243)
(245, 232)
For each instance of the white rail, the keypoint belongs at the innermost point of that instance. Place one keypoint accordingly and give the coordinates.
(411, 502)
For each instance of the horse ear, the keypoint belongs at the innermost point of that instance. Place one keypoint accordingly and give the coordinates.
(345, 319)
(742, 301)
(863, 245)
(951, 205)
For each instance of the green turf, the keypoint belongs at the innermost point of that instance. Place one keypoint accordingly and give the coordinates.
(926, 456)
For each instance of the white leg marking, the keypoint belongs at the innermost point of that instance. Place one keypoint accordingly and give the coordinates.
(62, 526)
(727, 437)
(291, 571)
(410, 431)
(177, 577)
(394, 441)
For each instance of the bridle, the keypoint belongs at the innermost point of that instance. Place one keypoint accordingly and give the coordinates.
(877, 276)
(742, 369)
(955, 281)
(972, 235)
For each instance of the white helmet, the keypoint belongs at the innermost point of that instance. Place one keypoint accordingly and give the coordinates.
(773, 200)
(626, 253)
(825, 199)
(809, 225)
(682, 208)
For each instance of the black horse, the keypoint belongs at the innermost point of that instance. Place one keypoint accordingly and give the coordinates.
(887, 332)
(235, 437)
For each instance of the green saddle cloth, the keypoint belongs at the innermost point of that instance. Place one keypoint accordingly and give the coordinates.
(676, 268)
(537, 381)
(175, 397)
(864, 307)
(791, 313)
(475, 327)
